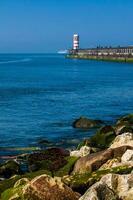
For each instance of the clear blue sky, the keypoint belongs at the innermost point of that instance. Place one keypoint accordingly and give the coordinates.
(48, 25)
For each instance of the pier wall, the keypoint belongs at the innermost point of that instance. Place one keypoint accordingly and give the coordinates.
(123, 54)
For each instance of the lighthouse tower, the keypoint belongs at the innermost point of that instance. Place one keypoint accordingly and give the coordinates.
(75, 41)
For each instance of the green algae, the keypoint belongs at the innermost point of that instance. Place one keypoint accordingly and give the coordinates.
(19, 148)
(8, 190)
(9, 183)
(85, 142)
(101, 58)
(85, 180)
(127, 119)
(41, 165)
(101, 140)
(16, 192)
(67, 168)
(9, 169)
(78, 182)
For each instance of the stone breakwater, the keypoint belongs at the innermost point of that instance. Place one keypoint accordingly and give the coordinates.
(102, 58)
(100, 168)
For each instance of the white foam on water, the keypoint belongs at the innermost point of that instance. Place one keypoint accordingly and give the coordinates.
(16, 61)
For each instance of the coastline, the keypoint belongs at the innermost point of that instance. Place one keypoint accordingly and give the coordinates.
(97, 165)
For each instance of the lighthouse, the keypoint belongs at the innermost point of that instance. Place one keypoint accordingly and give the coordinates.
(75, 41)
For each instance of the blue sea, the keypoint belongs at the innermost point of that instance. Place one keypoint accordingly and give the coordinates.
(42, 94)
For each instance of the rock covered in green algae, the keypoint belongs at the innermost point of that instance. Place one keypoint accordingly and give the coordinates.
(50, 159)
(55, 160)
(81, 182)
(9, 169)
(124, 124)
(106, 129)
(103, 137)
(106, 134)
(101, 140)
(9, 183)
(123, 128)
(42, 187)
(128, 119)
(65, 170)
(86, 123)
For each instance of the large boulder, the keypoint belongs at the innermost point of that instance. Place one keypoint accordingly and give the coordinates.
(50, 159)
(85, 150)
(85, 123)
(121, 140)
(43, 187)
(94, 161)
(9, 183)
(9, 169)
(99, 191)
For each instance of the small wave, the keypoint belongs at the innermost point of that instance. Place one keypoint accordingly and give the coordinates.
(15, 61)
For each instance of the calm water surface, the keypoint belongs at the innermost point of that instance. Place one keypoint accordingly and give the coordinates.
(41, 95)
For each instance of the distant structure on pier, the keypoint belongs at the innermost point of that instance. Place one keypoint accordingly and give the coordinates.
(105, 51)
(99, 50)
(75, 42)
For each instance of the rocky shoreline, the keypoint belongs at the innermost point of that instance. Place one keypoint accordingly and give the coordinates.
(100, 168)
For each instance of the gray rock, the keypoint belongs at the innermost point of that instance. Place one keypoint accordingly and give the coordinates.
(99, 191)
(85, 123)
(121, 140)
(85, 150)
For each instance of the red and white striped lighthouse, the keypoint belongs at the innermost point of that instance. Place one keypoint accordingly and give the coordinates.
(75, 41)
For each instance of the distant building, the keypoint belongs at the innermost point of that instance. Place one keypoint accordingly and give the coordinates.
(75, 42)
